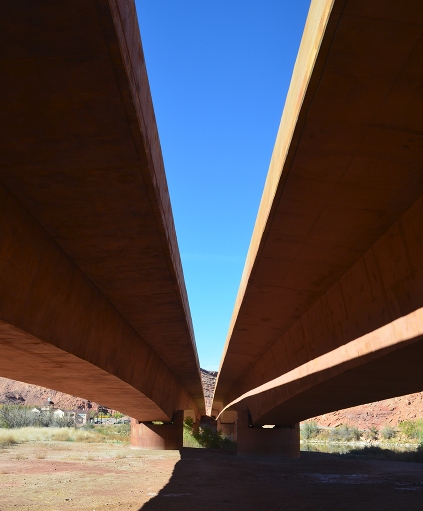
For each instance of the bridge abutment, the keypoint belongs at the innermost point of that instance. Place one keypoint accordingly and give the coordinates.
(166, 436)
(276, 441)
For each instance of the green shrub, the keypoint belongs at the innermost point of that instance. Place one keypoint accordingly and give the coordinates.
(114, 432)
(372, 433)
(344, 433)
(412, 429)
(355, 434)
(323, 435)
(388, 433)
(309, 430)
(62, 422)
(205, 437)
(16, 416)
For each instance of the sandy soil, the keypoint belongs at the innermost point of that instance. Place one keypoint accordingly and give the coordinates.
(75, 476)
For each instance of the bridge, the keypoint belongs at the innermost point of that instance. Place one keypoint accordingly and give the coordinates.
(92, 295)
(329, 312)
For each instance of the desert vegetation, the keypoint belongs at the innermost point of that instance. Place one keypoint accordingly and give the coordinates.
(19, 416)
(403, 443)
(310, 431)
(18, 424)
(105, 434)
(205, 437)
(407, 432)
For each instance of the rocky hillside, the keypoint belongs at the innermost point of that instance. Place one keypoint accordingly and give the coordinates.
(387, 412)
(390, 412)
(12, 391)
(209, 380)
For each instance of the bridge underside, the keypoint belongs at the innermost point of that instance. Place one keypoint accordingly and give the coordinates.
(92, 294)
(329, 311)
(373, 314)
(395, 374)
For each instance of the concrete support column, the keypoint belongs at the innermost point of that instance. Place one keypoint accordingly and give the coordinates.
(196, 427)
(167, 436)
(228, 430)
(226, 424)
(277, 441)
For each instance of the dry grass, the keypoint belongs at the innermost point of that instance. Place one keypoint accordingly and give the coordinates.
(7, 440)
(63, 435)
(33, 434)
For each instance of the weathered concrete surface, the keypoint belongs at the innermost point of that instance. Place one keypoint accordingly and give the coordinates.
(373, 311)
(92, 295)
(168, 436)
(333, 278)
(276, 441)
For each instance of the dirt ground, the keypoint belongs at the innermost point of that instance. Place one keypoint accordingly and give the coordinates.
(53, 476)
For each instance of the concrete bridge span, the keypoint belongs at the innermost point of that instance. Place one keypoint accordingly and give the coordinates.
(329, 310)
(92, 294)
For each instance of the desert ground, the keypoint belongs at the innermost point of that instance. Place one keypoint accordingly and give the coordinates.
(53, 476)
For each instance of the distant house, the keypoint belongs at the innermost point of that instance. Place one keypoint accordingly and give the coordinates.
(82, 417)
(47, 406)
(48, 410)
(78, 417)
(59, 413)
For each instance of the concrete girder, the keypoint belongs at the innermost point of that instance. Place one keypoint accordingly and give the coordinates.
(57, 329)
(81, 156)
(329, 260)
(375, 309)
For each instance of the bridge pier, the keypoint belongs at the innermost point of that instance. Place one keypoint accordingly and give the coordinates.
(277, 441)
(227, 424)
(166, 436)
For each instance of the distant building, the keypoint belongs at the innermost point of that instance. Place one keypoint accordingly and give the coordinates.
(78, 417)
(58, 413)
(47, 406)
(82, 417)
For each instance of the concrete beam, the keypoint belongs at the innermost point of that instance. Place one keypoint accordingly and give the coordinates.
(58, 330)
(98, 274)
(321, 271)
(372, 312)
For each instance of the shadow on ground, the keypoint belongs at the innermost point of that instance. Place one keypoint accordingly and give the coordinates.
(221, 480)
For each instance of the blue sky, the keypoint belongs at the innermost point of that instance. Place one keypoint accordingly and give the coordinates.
(219, 73)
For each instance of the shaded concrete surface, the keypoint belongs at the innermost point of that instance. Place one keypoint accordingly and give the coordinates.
(393, 374)
(219, 480)
(167, 436)
(276, 441)
(334, 272)
(92, 295)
